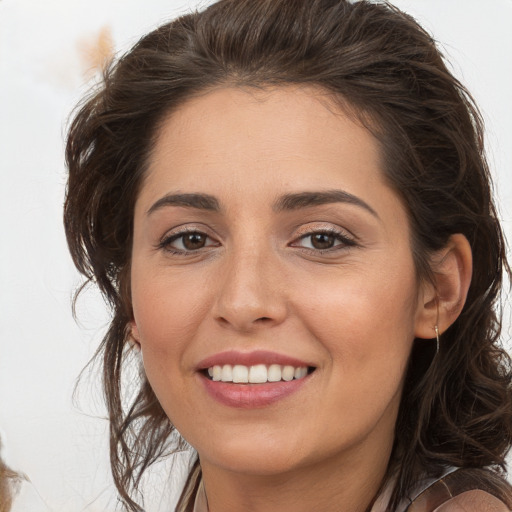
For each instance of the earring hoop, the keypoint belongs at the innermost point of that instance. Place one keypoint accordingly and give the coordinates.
(436, 329)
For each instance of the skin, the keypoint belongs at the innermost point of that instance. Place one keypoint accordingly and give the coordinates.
(473, 501)
(259, 283)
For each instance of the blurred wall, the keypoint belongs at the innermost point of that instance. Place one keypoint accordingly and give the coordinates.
(49, 51)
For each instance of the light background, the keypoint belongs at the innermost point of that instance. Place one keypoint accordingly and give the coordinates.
(47, 51)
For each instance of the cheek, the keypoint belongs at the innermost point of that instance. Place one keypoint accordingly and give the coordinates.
(168, 311)
(166, 307)
(366, 330)
(366, 322)
(167, 314)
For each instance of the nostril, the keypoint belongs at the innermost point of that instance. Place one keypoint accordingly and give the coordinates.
(248, 314)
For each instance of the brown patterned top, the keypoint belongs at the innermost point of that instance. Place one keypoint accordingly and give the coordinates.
(466, 490)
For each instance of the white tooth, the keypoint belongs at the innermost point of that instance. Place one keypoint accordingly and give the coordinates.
(301, 372)
(210, 371)
(258, 374)
(217, 372)
(274, 373)
(240, 373)
(227, 373)
(287, 373)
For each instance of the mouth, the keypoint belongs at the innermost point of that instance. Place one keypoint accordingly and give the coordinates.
(253, 379)
(256, 374)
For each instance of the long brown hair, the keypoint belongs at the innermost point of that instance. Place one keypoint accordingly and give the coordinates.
(388, 70)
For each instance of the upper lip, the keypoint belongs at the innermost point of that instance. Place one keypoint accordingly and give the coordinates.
(255, 357)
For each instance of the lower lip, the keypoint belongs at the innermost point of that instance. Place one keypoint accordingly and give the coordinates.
(251, 396)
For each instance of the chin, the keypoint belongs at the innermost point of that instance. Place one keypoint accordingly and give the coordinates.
(252, 455)
(262, 465)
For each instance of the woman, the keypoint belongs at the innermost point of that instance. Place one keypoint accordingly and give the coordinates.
(287, 205)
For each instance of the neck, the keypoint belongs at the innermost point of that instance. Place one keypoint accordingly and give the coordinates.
(330, 486)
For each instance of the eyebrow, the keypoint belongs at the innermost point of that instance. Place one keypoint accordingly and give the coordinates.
(287, 202)
(199, 201)
(309, 199)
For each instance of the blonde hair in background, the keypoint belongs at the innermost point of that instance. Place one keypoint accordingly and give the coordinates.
(10, 482)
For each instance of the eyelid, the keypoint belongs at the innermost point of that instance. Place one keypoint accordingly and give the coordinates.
(179, 231)
(324, 227)
(347, 238)
(313, 226)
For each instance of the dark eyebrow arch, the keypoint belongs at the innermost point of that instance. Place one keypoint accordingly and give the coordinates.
(309, 199)
(199, 201)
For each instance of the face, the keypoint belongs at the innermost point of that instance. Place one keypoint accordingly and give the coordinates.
(274, 293)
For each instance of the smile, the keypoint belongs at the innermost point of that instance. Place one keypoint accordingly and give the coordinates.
(256, 374)
(253, 379)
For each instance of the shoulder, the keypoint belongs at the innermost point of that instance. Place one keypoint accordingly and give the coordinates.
(473, 501)
(464, 490)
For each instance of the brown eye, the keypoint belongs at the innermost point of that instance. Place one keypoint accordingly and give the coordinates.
(187, 242)
(322, 241)
(194, 241)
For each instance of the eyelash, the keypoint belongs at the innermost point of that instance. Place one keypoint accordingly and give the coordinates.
(166, 242)
(339, 236)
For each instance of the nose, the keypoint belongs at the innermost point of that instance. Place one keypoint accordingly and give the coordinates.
(250, 294)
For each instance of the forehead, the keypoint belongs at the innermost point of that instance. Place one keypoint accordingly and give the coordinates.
(288, 134)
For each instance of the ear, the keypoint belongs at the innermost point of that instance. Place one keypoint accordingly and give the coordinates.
(133, 335)
(442, 300)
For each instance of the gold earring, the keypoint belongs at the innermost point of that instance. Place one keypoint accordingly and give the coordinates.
(436, 328)
(437, 339)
